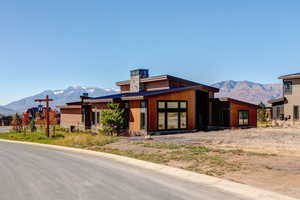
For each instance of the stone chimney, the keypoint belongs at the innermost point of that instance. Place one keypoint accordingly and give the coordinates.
(135, 79)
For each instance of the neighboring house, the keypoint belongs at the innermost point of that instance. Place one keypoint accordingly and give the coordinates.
(5, 120)
(230, 112)
(160, 104)
(286, 108)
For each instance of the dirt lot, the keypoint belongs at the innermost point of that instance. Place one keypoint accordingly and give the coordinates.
(281, 141)
(267, 158)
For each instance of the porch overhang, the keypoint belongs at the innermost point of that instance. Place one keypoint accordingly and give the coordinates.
(133, 98)
(277, 101)
(69, 107)
(91, 101)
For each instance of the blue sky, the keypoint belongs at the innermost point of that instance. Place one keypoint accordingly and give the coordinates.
(58, 43)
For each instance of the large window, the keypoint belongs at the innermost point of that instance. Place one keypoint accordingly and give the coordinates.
(243, 118)
(143, 109)
(172, 115)
(296, 112)
(288, 87)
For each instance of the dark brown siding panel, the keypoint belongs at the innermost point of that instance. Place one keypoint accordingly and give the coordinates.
(235, 111)
(157, 85)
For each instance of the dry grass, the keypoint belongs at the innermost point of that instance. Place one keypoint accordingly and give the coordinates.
(84, 140)
(78, 140)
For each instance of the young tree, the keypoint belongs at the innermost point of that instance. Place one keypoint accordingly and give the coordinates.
(32, 126)
(113, 119)
(262, 113)
(17, 123)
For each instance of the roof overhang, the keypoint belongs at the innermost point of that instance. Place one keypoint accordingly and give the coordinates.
(69, 107)
(278, 100)
(133, 98)
(290, 76)
(237, 101)
(98, 101)
(168, 77)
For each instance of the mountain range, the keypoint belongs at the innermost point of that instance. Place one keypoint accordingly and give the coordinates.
(242, 90)
(248, 91)
(60, 97)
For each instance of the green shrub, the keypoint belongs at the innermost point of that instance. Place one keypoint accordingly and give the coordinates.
(113, 119)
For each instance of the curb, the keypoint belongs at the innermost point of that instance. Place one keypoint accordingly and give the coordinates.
(225, 185)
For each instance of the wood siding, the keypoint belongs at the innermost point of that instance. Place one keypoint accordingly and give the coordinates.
(71, 117)
(187, 95)
(134, 115)
(234, 112)
(175, 84)
(125, 88)
(157, 85)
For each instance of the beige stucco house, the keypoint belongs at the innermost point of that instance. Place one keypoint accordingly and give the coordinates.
(286, 108)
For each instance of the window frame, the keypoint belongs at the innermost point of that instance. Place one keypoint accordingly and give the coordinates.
(167, 110)
(144, 113)
(294, 116)
(248, 119)
(288, 90)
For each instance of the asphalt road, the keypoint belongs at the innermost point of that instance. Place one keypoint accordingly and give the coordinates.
(31, 172)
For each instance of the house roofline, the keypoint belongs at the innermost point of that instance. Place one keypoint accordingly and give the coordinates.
(167, 77)
(237, 101)
(278, 100)
(290, 76)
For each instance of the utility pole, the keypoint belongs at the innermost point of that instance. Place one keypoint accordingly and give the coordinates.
(47, 100)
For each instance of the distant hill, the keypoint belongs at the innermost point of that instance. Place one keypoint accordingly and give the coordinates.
(248, 91)
(5, 111)
(60, 97)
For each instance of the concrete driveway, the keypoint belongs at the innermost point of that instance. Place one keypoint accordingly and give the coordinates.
(32, 172)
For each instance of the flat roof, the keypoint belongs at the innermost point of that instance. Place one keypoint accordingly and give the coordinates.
(290, 76)
(167, 77)
(141, 95)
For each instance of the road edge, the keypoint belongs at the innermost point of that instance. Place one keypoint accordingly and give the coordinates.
(225, 185)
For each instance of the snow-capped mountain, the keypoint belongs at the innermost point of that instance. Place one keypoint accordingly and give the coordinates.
(242, 90)
(60, 97)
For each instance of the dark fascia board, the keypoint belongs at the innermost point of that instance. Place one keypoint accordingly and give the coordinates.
(278, 100)
(197, 87)
(133, 98)
(98, 100)
(74, 103)
(168, 77)
(69, 107)
(237, 101)
(144, 80)
(290, 76)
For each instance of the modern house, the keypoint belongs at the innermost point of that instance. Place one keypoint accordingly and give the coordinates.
(286, 108)
(230, 112)
(162, 104)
